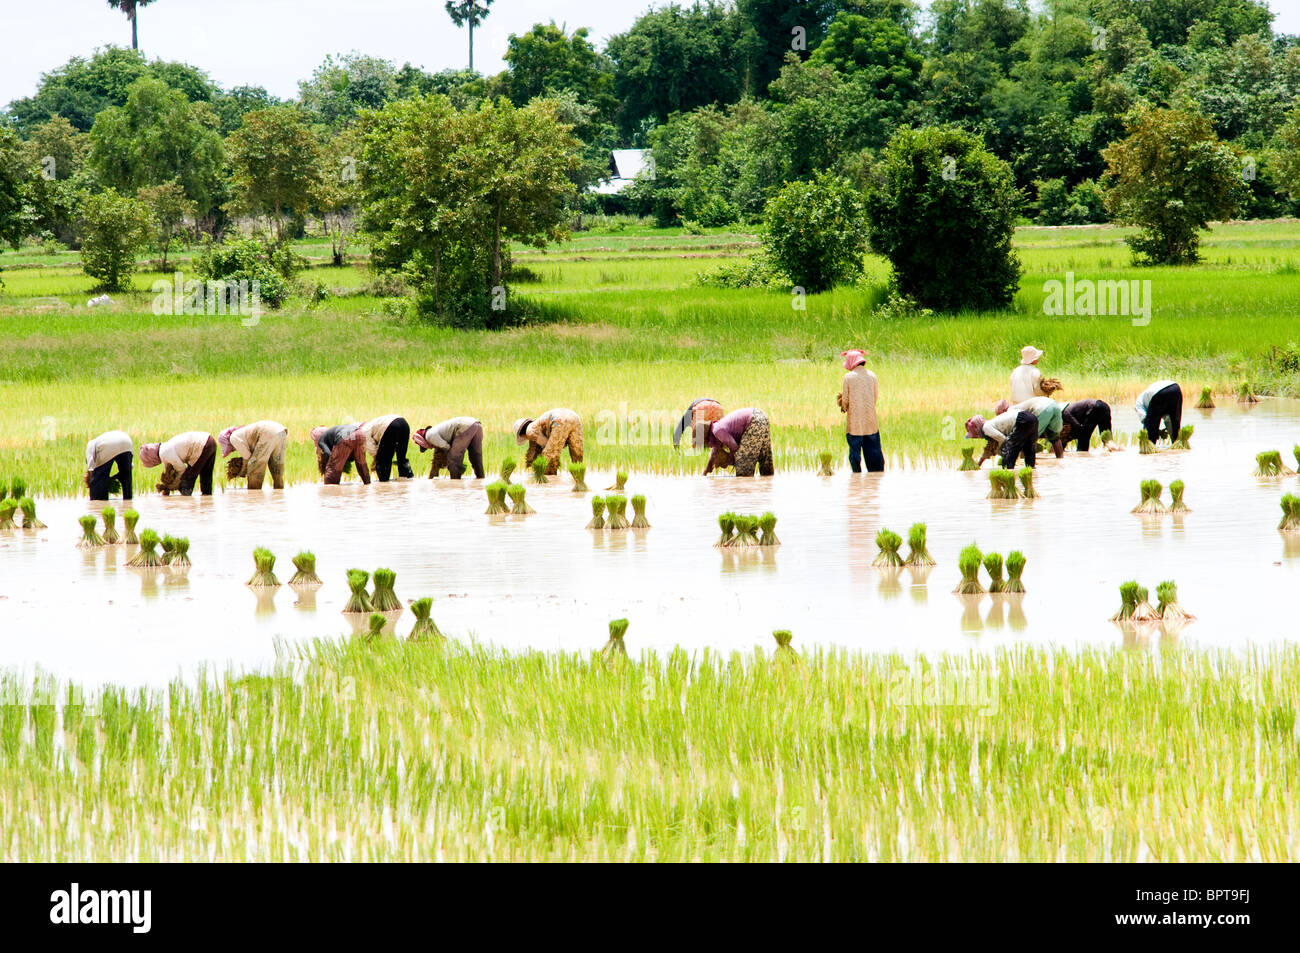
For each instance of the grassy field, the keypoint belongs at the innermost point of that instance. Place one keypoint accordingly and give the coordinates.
(426, 751)
(625, 333)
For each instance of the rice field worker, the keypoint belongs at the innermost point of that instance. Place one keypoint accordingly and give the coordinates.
(337, 448)
(387, 440)
(108, 453)
(451, 441)
(1027, 380)
(857, 400)
(697, 419)
(548, 435)
(1011, 433)
(257, 447)
(1051, 420)
(186, 459)
(743, 439)
(1161, 403)
(1081, 419)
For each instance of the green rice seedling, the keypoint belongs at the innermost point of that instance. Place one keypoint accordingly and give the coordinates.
(967, 459)
(1184, 437)
(1150, 503)
(827, 459)
(1002, 485)
(968, 561)
(18, 488)
(918, 555)
(147, 557)
(746, 531)
(1106, 438)
(28, 507)
(518, 505)
(767, 524)
(424, 626)
(888, 542)
(1176, 488)
(180, 553)
(1246, 393)
(639, 520)
(1207, 399)
(7, 510)
(376, 624)
(1269, 464)
(1144, 443)
(264, 569)
(168, 548)
(1015, 569)
(597, 513)
(784, 652)
(620, 481)
(1026, 475)
(384, 598)
(359, 600)
(579, 473)
(1290, 514)
(1128, 594)
(726, 523)
(129, 519)
(615, 649)
(539, 470)
(111, 535)
(89, 538)
(617, 512)
(1296, 453)
(304, 565)
(508, 466)
(995, 485)
(1168, 608)
(496, 494)
(993, 565)
(1144, 611)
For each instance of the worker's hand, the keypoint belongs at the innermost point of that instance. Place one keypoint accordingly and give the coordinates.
(163, 488)
(85, 479)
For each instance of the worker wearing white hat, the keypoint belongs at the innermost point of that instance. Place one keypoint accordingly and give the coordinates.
(1027, 379)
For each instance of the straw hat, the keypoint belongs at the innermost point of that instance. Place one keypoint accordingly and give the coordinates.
(520, 426)
(1030, 354)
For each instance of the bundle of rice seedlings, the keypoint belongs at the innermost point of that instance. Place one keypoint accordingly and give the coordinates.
(496, 494)
(1144, 611)
(111, 536)
(539, 470)
(1015, 568)
(180, 553)
(18, 488)
(615, 649)
(767, 523)
(745, 527)
(168, 548)
(1296, 452)
(638, 513)
(1184, 437)
(888, 542)
(1106, 437)
(1207, 399)
(89, 538)
(597, 513)
(376, 627)
(28, 507)
(726, 523)
(1168, 608)
(507, 468)
(7, 510)
(1144, 443)
(359, 601)
(967, 459)
(1002, 485)
(826, 458)
(263, 575)
(1176, 488)
(620, 481)
(1290, 514)
(130, 518)
(424, 627)
(305, 565)
(993, 565)
(783, 650)
(1150, 503)
(384, 599)
(1128, 593)
(518, 505)
(1270, 464)
(1026, 475)
(918, 554)
(617, 512)
(579, 473)
(968, 561)
(1246, 394)
(146, 558)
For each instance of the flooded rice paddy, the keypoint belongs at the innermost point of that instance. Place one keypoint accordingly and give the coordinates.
(546, 582)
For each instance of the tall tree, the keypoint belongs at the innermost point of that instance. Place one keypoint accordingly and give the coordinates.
(131, 9)
(468, 13)
(275, 164)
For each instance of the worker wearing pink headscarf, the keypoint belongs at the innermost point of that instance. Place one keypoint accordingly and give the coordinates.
(186, 459)
(857, 400)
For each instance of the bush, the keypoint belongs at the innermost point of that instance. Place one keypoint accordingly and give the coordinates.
(943, 210)
(115, 229)
(816, 232)
(1058, 204)
(756, 271)
(266, 266)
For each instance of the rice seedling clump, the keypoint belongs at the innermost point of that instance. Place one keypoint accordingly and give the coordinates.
(129, 519)
(888, 542)
(385, 598)
(1150, 503)
(181, 553)
(539, 470)
(111, 535)
(28, 507)
(264, 572)
(639, 520)
(726, 523)
(918, 554)
(826, 458)
(1144, 443)
(1015, 569)
(304, 565)
(1027, 483)
(968, 561)
(359, 601)
(1168, 608)
(18, 488)
(579, 473)
(1128, 594)
(1290, 514)
(375, 628)
(89, 538)
(620, 481)
(518, 505)
(746, 531)
(1207, 399)
(617, 512)
(597, 513)
(1270, 464)
(147, 557)
(993, 565)
(508, 466)
(1002, 485)
(767, 525)
(784, 651)
(496, 494)
(1176, 488)
(1144, 611)
(424, 625)
(168, 548)
(7, 510)
(967, 459)
(1246, 393)
(1184, 437)
(615, 649)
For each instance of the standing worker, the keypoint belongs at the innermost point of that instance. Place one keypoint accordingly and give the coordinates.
(107, 452)
(1027, 380)
(337, 448)
(857, 400)
(698, 417)
(186, 458)
(1162, 402)
(387, 439)
(257, 447)
(742, 439)
(450, 441)
(548, 435)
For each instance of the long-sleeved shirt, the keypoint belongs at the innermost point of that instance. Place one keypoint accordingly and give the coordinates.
(341, 443)
(184, 450)
(726, 433)
(688, 420)
(1000, 427)
(374, 430)
(539, 431)
(1144, 399)
(440, 436)
(331, 437)
(858, 402)
(107, 446)
(1026, 382)
(1048, 413)
(245, 440)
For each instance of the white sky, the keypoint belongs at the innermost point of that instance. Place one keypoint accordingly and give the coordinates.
(275, 43)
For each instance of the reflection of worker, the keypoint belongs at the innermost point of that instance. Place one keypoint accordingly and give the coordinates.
(697, 419)
(1010, 434)
(186, 459)
(337, 448)
(1081, 419)
(257, 447)
(548, 435)
(108, 452)
(857, 400)
(1161, 403)
(387, 439)
(742, 439)
(450, 441)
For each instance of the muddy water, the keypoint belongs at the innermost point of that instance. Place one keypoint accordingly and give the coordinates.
(546, 582)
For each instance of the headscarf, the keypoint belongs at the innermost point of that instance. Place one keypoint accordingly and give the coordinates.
(149, 456)
(975, 426)
(853, 358)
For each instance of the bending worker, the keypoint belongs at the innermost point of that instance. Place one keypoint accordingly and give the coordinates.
(387, 440)
(108, 452)
(450, 441)
(697, 419)
(1081, 418)
(1161, 403)
(742, 439)
(337, 448)
(257, 447)
(186, 459)
(548, 435)
(1011, 433)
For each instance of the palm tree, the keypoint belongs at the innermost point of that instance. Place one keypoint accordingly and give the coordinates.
(129, 7)
(471, 12)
